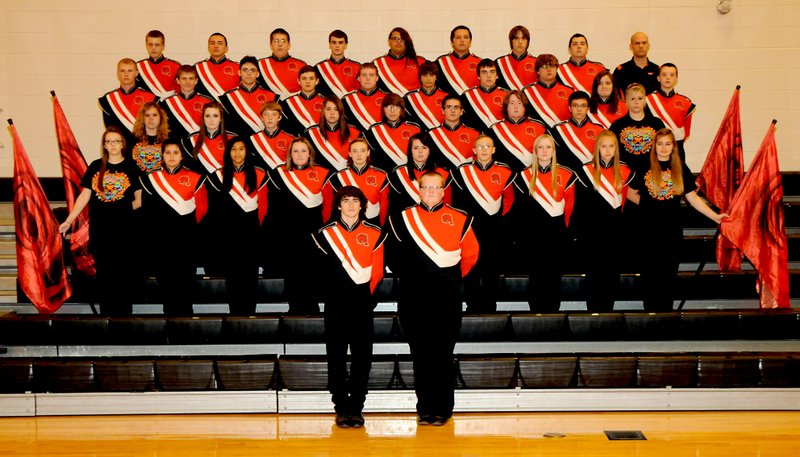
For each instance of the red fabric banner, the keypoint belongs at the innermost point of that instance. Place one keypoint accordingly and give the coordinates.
(722, 174)
(755, 225)
(40, 261)
(73, 167)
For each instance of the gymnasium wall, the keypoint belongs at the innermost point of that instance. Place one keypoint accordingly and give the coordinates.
(72, 46)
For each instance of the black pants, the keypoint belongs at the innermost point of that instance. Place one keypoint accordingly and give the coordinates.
(349, 322)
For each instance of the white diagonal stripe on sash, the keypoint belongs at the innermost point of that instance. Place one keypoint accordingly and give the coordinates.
(541, 106)
(511, 77)
(570, 79)
(422, 110)
(660, 112)
(208, 79)
(246, 202)
(247, 114)
(452, 75)
(206, 157)
(546, 201)
(358, 273)
(300, 112)
(482, 196)
(447, 147)
(265, 150)
(574, 143)
(169, 195)
(480, 108)
(605, 189)
(327, 73)
(441, 257)
(327, 150)
(149, 77)
(360, 111)
(410, 186)
(299, 190)
(272, 78)
(600, 118)
(389, 78)
(120, 110)
(512, 144)
(389, 145)
(179, 112)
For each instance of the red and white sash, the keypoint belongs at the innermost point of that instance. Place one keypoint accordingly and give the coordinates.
(265, 150)
(206, 157)
(541, 106)
(451, 73)
(169, 195)
(388, 144)
(209, 80)
(426, 242)
(659, 111)
(148, 74)
(300, 111)
(605, 188)
(600, 118)
(573, 142)
(507, 70)
(271, 77)
(479, 193)
(570, 79)
(512, 144)
(422, 110)
(480, 107)
(411, 186)
(178, 111)
(327, 73)
(360, 111)
(121, 110)
(388, 78)
(299, 190)
(449, 150)
(248, 115)
(327, 150)
(358, 273)
(348, 178)
(546, 201)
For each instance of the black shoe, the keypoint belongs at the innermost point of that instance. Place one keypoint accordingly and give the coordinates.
(424, 419)
(356, 420)
(438, 421)
(343, 421)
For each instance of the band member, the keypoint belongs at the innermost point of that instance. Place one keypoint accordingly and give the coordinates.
(174, 201)
(517, 69)
(302, 110)
(657, 192)
(185, 108)
(333, 135)
(453, 140)
(364, 105)
(151, 130)
(431, 247)
(111, 190)
(459, 68)
(540, 216)
(636, 130)
(483, 105)
(515, 134)
(674, 109)
(157, 74)
(579, 72)
(351, 267)
(280, 71)
(398, 70)
(606, 104)
(295, 211)
(373, 182)
(599, 222)
(483, 189)
(576, 137)
(548, 97)
(404, 180)
(243, 103)
(338, 75)
(424, 105)
(236, 211)
(207, 146)
(271, 145)
(389, 139)
(121, 106)
(217, 73)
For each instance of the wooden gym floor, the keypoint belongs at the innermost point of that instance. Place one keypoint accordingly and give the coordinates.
(697, 434)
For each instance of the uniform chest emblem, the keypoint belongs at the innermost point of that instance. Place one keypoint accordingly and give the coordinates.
(228, 71)
(348, 71)
(362, 239)
(497, 101)
(464, 138)
(185, 181)
(562, 94)
(292, 66)
(139, 100)
(372, 181)
(312, 176)
(165, 70)
(447, 219)
(495, 178)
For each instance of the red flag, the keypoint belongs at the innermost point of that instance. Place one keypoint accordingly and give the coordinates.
(755, 225)
(722, 174)
(40, 260)
(73, 167)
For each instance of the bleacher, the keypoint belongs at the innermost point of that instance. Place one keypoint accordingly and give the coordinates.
(718, 352)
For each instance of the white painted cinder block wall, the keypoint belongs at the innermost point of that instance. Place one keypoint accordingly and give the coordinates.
(72, 46)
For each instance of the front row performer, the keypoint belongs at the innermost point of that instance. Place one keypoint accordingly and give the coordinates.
(431, 247)
(351, 267)
(543, 205)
